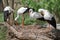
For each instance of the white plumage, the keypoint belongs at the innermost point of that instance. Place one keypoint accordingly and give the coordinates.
(46, 13)
(20, 11)
(8, 8)
(17, 17)
(48, 17)
(34, 14)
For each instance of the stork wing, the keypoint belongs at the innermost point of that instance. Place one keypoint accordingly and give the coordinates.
(37, 15)
(22, 10)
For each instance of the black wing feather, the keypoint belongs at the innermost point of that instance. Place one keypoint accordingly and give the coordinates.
(52, 22)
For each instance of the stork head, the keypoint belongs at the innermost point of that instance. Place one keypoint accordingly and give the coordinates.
(30, 10)
(41, 11)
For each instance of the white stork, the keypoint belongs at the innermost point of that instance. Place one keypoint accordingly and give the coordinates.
(21, 11)
(7, 11)
(35, 15)
(48, 17)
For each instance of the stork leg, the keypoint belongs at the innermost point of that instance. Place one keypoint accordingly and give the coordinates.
(22, 20)
(15, 22)
(48, 28)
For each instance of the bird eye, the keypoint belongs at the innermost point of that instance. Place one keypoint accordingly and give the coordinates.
(29, 10)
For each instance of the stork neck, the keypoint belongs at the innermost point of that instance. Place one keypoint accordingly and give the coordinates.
(31, 12)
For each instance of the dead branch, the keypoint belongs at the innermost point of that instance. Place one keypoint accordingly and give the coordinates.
(30, 34)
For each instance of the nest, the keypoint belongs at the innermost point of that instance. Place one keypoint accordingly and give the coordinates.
(30, 32)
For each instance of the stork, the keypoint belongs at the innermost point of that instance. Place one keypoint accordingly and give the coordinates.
(21, 11)
(48, 17)
(7, 11)
(35, 15)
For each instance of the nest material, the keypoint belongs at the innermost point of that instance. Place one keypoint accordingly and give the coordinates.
(30, 32)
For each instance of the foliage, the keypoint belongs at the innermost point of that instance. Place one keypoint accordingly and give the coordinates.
(52, 5)
(27, 19)
(1, 17)
(3, 31)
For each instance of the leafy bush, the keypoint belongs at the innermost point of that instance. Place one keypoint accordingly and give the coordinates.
(52, 5)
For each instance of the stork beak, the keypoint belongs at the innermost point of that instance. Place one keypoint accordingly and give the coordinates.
(42, 13)
(28, 12)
